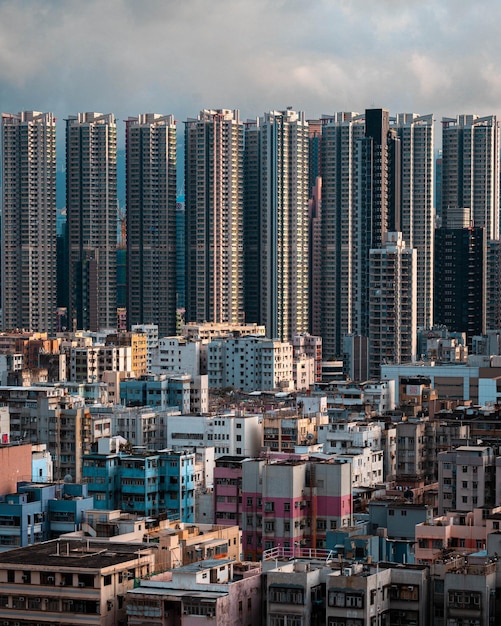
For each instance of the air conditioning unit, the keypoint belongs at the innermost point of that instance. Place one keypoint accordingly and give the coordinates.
(50, 579)
(21, 599)
(347, 571)
(81, 584)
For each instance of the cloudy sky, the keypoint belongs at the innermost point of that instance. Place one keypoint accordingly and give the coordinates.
(319, 56)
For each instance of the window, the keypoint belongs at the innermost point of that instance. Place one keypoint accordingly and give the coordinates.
(286, 595)
(354, 601)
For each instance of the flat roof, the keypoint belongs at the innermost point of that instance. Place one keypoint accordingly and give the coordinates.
(60, 554)
(203, 565)
(165, 590)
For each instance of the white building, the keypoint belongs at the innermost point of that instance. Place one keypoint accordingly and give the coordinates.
(250, 364)
(363, 398)
(199, 394)
(340, 436)
(229, 433)
(178, 354)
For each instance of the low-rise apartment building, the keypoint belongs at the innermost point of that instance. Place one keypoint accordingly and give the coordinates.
(71, 582)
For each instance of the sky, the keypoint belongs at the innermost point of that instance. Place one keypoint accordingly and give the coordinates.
(318, 56)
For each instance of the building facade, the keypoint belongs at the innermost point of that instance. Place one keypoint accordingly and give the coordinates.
(28, 238)
(293, 503)
(214, 216)
(71, 582)
(92, 220)
(461, 278)
(284, 226)
(392, 328)
(470, 170)
(151, 221)
(377, 177)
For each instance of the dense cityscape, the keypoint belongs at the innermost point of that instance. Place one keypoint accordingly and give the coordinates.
(262, 392)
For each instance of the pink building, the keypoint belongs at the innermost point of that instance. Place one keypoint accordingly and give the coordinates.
(227, 491)
(293, 503)
(457, 530)
(15, 462)
(213, 591)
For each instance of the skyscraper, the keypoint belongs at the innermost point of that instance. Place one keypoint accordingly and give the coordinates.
(151, 221)
(461, 274)
(377, 177)
(417, 214)
(91, 203)
(284, 268)
(315, 223)
(341, 135)
(470, 170)
(29, 255)
(360, 202)
(392, 307)
(214, 152)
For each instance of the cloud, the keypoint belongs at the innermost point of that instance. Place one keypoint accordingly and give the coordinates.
(179, 57)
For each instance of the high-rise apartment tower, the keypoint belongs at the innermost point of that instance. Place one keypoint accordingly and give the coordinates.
(28, 255)
(377, 177)
(151, 221)
(214, 151)
(91, 204)
(284, 193)
(470, 170)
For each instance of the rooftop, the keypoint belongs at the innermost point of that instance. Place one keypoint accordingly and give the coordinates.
(82, 554)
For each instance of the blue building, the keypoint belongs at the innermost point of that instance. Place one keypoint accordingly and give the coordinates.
(101, 472)
(145, 483)
(66, 513)
(177, 469)
(38, 512)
